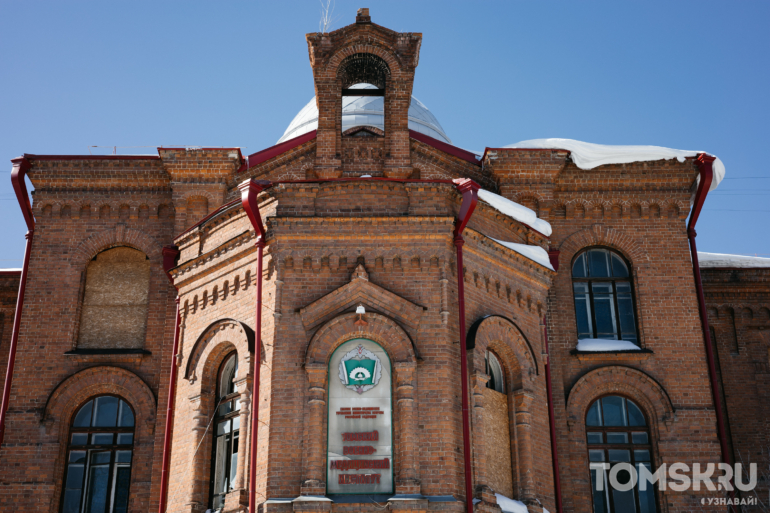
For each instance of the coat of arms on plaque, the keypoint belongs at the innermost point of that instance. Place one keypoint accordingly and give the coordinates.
(360, 370)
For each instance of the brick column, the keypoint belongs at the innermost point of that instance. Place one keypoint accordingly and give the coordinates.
(481, 489)
(408, 478)
(245, 431)
(523, 402)
(198, 485)
(314, 459)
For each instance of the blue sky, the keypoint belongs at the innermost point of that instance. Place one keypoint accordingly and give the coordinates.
(687, 75)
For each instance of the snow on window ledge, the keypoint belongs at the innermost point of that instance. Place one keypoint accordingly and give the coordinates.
(510, 505)
(604, 345)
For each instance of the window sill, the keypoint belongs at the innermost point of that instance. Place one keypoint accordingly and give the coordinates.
(107, 355)
(638, 354)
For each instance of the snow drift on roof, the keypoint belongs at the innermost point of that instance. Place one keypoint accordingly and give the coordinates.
(600, 344)
(519, 212)
(534, 253)
(721, 260)
(588, 155)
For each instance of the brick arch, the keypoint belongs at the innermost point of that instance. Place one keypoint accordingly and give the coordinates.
(600, 235)
(118, 236)
(221, 332)
(71, 393)
(507, 341)
(212, 199)
(383, 330)
(615, 379)
(383, 53)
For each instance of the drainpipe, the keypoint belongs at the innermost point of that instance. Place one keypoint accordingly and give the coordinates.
(20, 167)
(705, 163)
(250, 189)
(469, 189)
(553, 256)
(170, 254)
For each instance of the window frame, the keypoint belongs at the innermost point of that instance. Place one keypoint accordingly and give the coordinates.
(90, 448)
(489, 371)
(630, 446)
(589, 280)
(221, 419)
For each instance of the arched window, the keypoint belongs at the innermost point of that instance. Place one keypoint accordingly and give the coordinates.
(495, 373)
(617, 432)
(115, 300)
(604, 301)
(227, 424)
(98, 471)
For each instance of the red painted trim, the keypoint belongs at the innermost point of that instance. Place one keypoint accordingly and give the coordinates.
(170, 254)
(20, 168)
(554, 256)
(10, 273)
(446, 148)
(263, 156)
(91, 157)
(250, 189)
(469, 189)
(705, 163)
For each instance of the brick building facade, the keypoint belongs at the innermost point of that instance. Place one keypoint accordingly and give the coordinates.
(360, 245)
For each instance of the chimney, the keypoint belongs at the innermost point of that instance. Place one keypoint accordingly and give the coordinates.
(362, 16)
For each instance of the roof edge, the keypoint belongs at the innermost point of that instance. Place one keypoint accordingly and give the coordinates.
(446, 147)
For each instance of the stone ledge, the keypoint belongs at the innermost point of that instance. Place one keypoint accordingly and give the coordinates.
(640, 354)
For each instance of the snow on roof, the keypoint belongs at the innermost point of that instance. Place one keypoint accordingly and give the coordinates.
(516, 211)
(510, 505)
(366, 111)
(588, 155)
(601, 344)
(534, 253)
(707, 260)
(11, 270)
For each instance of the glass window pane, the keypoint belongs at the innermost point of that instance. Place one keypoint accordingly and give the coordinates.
(624, 501)
(105, 411)
(98, 476)
(102, 438)
(617, 438)
(125, 438)
(78, 457)
(583, 310)
(496, 372)
(604, 310)
(579, 267)
(614, 413)
(236, 423)
(123, 456)
(619, 455)
(598, 263)
(71, 501)
(626, 313)
(596, 455)
(79, 438)
(234, 458)
(646, 497)
(219, 463)
(99, 458)
(223, 428)
(226, 408)
(83, 418)
(595, 438)
(75, 476)
(594, 417)
(600, 497)
(638, 438)
(619, 268)
(226, 385)
(120, 497)
(642, 455)
(635, 416)
(126, 417)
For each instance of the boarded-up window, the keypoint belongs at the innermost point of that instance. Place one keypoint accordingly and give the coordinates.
(497, 438)
(115, 301)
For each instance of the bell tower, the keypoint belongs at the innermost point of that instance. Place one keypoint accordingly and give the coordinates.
(363, 53)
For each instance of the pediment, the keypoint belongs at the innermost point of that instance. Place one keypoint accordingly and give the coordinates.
(361, 291)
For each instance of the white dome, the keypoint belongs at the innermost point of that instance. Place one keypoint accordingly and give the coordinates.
(366, 111)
